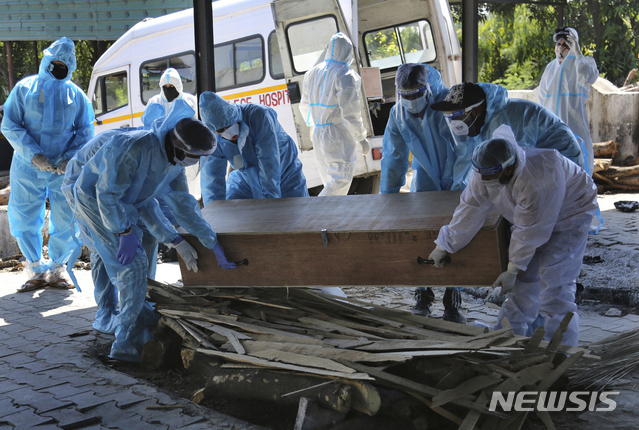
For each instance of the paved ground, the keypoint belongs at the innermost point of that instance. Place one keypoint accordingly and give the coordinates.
(49, 379)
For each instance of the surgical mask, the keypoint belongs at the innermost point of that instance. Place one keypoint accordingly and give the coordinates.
(232, 132)
(417, 105)
(58, 71)
(171, 93)
(188, 161)
(492, 183)
(460, 128)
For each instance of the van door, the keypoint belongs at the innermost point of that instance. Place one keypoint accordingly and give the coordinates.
(304, 28)
(110, 96)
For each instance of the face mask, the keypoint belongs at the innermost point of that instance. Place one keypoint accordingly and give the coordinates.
(492, 183)
(188, 161)
(170, 93)
(58, 71)
(415, 106)
(232, 132)
(460, 128)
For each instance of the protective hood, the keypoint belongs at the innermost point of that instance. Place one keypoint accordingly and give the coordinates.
(60, 50)
(437, 87)
(340, 49)
(216, 112)
(162, 125)
(496, 99)
(171, 76)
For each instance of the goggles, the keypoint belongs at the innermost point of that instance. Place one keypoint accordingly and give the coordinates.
(187, 150)
(493, 169)
(460, 112)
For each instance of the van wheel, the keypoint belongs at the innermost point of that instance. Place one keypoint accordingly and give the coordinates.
(367, 185)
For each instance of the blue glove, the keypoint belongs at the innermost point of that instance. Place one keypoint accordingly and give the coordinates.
(221, 258)
(129, 244)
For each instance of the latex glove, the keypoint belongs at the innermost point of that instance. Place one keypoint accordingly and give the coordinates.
(366, 147)
(42, 162)
(129, 244)
(507, 279)
(187, 253)
(221, 258)
(62, 167)
(438, 256)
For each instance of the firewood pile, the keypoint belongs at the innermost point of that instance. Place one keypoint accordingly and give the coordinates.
(5, 190)
(628, 86)
(609, 176)
(344, 357)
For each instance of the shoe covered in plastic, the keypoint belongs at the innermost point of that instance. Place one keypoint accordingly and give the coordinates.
(422, 303)
(454, 315)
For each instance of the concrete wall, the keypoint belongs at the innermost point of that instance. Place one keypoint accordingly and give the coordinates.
(612, 114)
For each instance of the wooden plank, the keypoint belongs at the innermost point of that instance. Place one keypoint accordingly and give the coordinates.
(318, 351)
(529, 376)
(441, 411)
(272, 364)
(232, 335)
(467, 387)
(379, 237)
(302, 360)
(473, 416)
(329, 327)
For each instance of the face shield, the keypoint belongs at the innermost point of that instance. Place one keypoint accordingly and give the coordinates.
(412, 101)
(185, 146)
(462, 122)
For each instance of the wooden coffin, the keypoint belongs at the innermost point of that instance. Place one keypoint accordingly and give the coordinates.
(369, 240)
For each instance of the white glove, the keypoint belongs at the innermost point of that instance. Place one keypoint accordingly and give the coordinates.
(42, 162)
(187, 253)
(438, 256)
(62, 167)
(574, 46)
(507, 279)
(366, 147)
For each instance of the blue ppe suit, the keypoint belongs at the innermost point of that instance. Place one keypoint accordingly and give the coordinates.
(53, 117)
(431, 143)
(264, 158)
(533, 126)
(117, 188)
(550, 203)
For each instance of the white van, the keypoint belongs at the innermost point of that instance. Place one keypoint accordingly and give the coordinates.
(254, 63)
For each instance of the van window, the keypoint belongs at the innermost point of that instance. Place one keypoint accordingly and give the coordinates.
(274, 57)
(151, 71)
(308, 41)
(408, 43)
(111, 93)
(240, 62)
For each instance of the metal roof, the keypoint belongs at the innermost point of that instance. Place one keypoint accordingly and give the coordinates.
(79, 19)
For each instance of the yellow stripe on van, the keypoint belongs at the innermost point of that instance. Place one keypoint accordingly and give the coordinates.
(119, 118)
(227, 97)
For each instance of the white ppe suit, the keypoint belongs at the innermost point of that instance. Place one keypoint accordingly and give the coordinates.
(171, 76)
(564, 90)
(550, 202)
(331, 106)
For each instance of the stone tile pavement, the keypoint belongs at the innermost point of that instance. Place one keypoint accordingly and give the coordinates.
(48, 381)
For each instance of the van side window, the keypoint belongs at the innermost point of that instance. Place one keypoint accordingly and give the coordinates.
(151, 71)
(307, 41)
(111, 93)
(275, 57)
(240, 62)
(407, 43)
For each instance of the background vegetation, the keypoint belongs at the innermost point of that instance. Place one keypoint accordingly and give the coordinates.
(515, 43)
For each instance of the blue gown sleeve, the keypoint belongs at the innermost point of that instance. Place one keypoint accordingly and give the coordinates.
(213, 176)
(266, 177)
(23, 144)
(156, 222)
(394, 158)
(187, 211)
